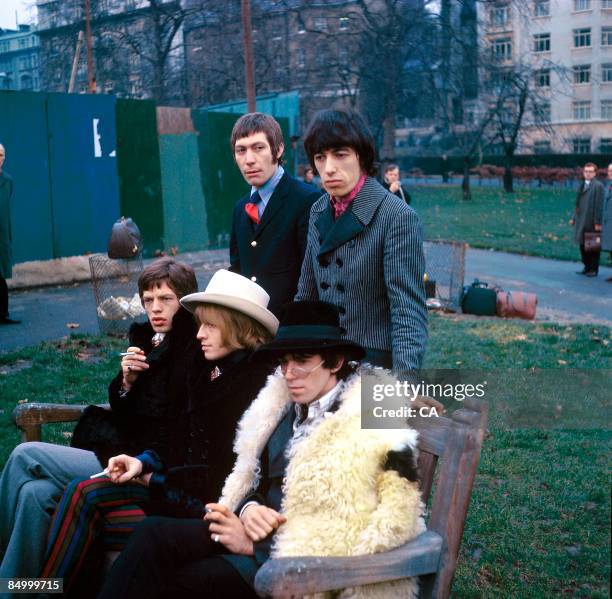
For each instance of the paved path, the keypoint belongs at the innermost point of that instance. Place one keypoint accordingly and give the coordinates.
(563, 295)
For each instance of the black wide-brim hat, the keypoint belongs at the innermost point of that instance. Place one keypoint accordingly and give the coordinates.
(311, 326)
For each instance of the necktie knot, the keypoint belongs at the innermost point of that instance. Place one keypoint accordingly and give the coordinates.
(252, 208)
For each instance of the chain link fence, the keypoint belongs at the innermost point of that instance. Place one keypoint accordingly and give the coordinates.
(445, 269)
(115, 287)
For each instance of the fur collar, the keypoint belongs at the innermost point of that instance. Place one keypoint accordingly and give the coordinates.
(265, 413)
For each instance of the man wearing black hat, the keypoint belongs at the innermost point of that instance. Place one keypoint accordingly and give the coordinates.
(298, 487)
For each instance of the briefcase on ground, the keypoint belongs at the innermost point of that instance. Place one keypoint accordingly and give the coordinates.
(516, 304)
(478, 299)
(592, 242)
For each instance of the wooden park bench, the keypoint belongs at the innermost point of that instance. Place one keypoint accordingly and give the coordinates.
(449, 452)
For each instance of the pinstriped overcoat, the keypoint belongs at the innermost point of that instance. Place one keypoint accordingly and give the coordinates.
(6, 194)
(370, 264)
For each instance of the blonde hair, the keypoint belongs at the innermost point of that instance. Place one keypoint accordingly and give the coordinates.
(238, 330)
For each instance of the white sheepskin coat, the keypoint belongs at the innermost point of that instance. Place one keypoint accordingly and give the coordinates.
(337, 497)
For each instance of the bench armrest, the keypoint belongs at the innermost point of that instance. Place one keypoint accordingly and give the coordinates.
(29, 417)
(297, 576)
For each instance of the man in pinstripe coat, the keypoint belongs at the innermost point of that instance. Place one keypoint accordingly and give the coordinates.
(364, 250)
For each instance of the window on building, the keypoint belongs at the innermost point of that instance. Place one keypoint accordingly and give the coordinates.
(109, 87)
(344, 23)
(581, 145)
(582, 73)
(541, 147)
(499, 16)
(26, 82)
(606, 109)
(606, 72)
(501, 48)
(606, 36)
(320, 24)
(541, 42)
(25, 63)
(606, 3)
(300, 58)
(582, 4)
(582, 38)
(542, 78)
(541, 112)
(581, 110)
(23, 43)
(5, 46)
(457, 110)
(6, 82)
(605, 144)
(541, 8)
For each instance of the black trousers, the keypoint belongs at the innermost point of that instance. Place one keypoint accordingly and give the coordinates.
(171, 557)
(590, 259)
(3, 298)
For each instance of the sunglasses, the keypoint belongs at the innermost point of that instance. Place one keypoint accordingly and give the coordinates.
(297, 371)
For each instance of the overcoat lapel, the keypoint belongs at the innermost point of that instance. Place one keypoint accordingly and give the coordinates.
(352, 222)
(278, 442)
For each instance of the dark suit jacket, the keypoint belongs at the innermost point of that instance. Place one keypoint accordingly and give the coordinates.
(271, 253)
(406, 196)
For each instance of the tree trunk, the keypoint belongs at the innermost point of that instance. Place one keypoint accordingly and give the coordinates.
(508, 181)
(465, 184)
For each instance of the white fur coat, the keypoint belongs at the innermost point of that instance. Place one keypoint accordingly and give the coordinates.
(337, 497)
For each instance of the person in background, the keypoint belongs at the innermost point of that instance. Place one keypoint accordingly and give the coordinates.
(269, 224)
(6, 239)
(587, 217)
(393, 183)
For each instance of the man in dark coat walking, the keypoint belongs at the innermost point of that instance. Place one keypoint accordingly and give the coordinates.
(587, 217)
(269, 224)
(6, 263)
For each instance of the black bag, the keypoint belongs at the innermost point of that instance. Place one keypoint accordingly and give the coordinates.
(97, 431)
(478, 299)
(125, 240)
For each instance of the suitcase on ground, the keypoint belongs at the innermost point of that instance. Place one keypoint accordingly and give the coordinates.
(478, 299)
(516, 304)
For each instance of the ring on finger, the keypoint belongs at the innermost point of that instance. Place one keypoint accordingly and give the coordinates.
(216, 538)
(129, 368)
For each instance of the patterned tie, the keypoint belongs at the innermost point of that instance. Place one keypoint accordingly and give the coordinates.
(215, 373)
(251, 207)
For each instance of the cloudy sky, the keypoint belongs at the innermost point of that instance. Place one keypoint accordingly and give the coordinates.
(25, 9)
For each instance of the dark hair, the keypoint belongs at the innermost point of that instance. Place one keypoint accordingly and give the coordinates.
(339, 128)
(590, 165)
(178, 276)
(391, 167)
(258, 122)
(330, 357)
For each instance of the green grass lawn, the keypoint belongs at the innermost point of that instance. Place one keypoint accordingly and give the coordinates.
(538, 524)
(533, 221)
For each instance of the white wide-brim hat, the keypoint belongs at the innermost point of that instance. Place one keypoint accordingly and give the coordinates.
(235, 291)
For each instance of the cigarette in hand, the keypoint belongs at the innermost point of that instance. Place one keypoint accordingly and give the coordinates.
(127, 353)
(103, 473)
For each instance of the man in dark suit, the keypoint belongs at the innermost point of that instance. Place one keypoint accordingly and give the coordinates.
(269, 224)
(587, 217)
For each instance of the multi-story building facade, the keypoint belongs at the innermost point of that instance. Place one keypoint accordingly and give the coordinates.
(565, 47)
(19, 59)
(131, 57)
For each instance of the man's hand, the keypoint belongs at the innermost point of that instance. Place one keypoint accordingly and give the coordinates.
(597, 228)
(226, 528)
(259, 521)
(123, 468)
(394, 186)
(132, 366)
